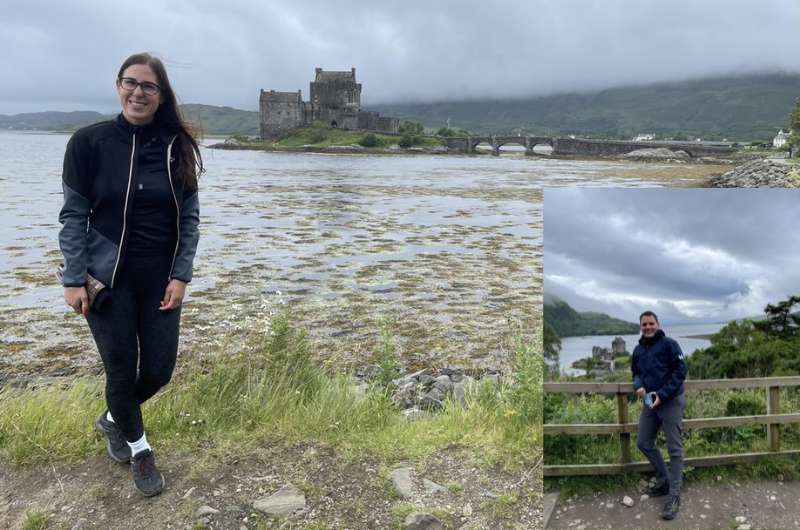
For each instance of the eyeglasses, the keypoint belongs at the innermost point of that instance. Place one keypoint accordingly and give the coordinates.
(129, 84)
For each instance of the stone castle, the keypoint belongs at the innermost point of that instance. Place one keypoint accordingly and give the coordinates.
(335, 102)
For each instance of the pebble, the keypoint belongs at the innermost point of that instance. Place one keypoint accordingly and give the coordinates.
(741, 519)
(80, 524)
(743, 527)
(206, 510)
(401, 479)
(627, 501)
(644, 497)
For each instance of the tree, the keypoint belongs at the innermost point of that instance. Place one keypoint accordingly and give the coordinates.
(780, 322)
(794, 128)
(552, 347)
(411, 128)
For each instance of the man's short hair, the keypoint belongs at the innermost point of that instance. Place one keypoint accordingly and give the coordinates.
(648, 314)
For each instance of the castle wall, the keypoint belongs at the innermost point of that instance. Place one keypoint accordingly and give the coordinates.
(280, 112)
(388, 124)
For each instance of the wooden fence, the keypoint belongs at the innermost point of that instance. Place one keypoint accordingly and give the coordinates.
(773, 419)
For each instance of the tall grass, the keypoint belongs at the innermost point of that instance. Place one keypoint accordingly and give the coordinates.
(238, 402)
(605, 449)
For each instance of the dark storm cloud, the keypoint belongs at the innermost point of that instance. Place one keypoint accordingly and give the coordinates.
(699, 253)
(66, 54)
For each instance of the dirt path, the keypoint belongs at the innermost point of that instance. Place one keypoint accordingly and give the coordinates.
(98, 493)
(759, 504)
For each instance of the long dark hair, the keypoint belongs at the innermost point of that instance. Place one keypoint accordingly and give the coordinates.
(168, 116)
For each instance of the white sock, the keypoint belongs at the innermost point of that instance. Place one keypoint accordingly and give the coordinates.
(139, 445)
(109, 417)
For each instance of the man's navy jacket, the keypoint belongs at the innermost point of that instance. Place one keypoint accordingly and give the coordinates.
(658, 365)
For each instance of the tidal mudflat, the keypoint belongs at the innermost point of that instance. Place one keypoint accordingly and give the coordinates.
(443, 253)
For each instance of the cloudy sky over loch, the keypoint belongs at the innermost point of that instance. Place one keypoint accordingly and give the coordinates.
(64, 55)
(691, 255)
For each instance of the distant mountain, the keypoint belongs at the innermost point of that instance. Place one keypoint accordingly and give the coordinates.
(569, 323)
(223, 120)
(215, 120)
(743, 108)
(50, 121)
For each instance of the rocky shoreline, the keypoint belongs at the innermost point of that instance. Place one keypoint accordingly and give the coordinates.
(760, 173)
(654, 155)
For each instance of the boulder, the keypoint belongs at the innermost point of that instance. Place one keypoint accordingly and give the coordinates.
(422, 521)
(285, 501)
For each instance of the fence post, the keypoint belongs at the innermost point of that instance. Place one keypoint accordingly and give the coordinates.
(773, 429)
(624, 437)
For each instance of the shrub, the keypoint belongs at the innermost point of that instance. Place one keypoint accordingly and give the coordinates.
(409, 140)
(371, 140)
(410, 127)
(318, 136)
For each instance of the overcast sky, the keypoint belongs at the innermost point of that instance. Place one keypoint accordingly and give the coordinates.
(64, 55)
(690, 255)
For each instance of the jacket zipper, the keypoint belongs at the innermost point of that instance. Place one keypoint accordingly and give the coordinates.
(124, 211)
(177, 208)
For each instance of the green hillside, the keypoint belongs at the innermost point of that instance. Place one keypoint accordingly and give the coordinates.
(215, 120)
(738, 108)
(569, 323)
(50, 121)
(222, 120)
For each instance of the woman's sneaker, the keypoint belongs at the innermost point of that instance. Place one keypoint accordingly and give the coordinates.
(146, 476)
(117, 446)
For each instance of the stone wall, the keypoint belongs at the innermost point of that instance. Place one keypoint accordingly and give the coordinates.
(582, 146)
(280, 112)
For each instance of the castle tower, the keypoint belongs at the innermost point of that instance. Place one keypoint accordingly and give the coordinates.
(280, 112)
(336, 98)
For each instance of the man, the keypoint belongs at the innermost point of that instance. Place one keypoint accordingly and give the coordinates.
(659, 369)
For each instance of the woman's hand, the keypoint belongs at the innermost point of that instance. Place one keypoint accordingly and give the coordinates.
(77, 299)
(173, 296)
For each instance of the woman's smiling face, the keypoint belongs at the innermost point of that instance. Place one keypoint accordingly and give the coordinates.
(137, 107)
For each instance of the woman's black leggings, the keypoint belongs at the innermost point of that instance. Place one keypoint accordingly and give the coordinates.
(137, 341)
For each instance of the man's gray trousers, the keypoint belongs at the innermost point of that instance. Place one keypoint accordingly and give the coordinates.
(669, 417)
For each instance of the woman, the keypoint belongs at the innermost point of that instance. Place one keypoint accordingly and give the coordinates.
(130, 220)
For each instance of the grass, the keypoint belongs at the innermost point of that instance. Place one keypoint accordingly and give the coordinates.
(239, 401)
(590, 449)
(501, 506)
(321, 137)
(34, 521)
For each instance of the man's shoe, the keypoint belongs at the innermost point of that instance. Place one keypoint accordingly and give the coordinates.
(146, 477)
(659, 489)
(117, 446)
(671, 508)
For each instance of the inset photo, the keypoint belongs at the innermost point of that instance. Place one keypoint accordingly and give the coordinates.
(672, 351)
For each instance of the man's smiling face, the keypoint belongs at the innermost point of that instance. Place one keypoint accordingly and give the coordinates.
(648, 326)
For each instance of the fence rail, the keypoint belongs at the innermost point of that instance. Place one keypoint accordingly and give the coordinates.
(773, 419)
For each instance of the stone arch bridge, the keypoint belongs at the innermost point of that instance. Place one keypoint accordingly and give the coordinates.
(583, 146)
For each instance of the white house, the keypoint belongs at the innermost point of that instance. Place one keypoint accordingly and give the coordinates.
(648, 137)
(781, 139)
